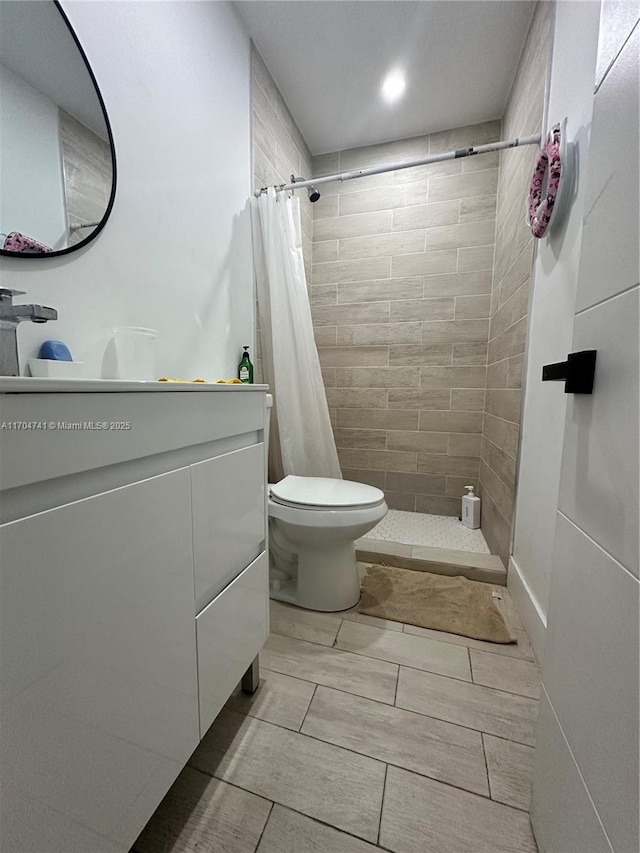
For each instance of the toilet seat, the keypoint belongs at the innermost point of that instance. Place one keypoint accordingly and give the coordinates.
(324, 493)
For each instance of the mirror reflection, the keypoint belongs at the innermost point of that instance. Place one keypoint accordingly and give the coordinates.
(57, 166)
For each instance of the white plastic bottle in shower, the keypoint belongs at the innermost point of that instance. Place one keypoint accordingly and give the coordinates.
(471, 509)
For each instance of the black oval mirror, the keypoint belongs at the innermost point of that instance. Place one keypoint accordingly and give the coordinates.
(57, 158)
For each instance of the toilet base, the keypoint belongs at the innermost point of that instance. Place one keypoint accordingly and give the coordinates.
(327, 579)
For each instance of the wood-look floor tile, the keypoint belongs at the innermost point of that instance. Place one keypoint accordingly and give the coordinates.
(522, 649)
(310, 625)
(510, 768)
(514, 676)
(200, 813)
(422, 815)
(481, 708)
(331, 667)
(375, 621)
(290, 832)
(318, 779)
(430, 655)
(431, 747)
(279, 699)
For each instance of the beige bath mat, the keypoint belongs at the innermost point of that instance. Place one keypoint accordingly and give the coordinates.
(456, 605)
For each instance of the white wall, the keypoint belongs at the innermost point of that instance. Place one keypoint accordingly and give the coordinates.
(175, 254)
(586, 779)
(551, 324)
(31, 182)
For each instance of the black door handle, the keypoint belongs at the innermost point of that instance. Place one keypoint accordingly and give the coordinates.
(577, 372)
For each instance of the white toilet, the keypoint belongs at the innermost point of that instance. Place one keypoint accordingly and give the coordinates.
(313, 524)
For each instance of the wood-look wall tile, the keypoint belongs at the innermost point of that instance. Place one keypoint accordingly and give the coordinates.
(456, 486)
(515, 371)
(460, 466)
(418, 442)
(384, 289)
(458, 284)
(359, 312)
(435, 505)
(426, 215)
(461, 444)
(382, 333)
(377, 460)
(470, 353)
(464, 234)
(377, 377)
(440, 308)
(384, 198)
(503, 434)
(361, 475)
(323, 294)
(324, 252)
(451, 421)
(365, 268)
(404, 398)
(501, 494)
(464, 137)
(504, 403)
(425, 263)
(387, 419)
(453, 377)
(372, 439)
(467, 400)
(497, 374)
(455, 331)
(509, 343)
(420, 355)
(478, 208)
(499, 461)
(359, 225)
(419, 484)
(356, 398)
(472, 307)
(473, 259)
(399, 243)
(403, 501)
(353, 356)
(465, 185)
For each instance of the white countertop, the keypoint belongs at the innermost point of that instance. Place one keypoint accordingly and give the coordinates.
(32, 385)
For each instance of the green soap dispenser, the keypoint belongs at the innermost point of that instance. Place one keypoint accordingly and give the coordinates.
(245, 368)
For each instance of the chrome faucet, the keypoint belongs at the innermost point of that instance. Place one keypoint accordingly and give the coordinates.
(10, 316)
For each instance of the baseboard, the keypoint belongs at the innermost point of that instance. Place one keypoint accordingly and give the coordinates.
(528, 607)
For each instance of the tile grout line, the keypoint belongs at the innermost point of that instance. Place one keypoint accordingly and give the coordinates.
(387, 764)
(486, 764)
(384, 789)
(315, 689)
(265, 823)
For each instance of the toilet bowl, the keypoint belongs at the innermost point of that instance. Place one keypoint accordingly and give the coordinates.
(313, 524)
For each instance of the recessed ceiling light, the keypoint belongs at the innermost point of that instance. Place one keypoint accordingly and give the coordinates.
(393, 86)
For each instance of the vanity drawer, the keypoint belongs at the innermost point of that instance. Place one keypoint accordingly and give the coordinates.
(228, 500)
(229, 633)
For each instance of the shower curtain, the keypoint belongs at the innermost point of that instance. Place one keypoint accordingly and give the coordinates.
(301, 438)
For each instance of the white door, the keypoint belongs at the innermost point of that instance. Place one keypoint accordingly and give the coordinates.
(586, 778)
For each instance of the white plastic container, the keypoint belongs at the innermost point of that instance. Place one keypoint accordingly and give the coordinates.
(136, 352)
(49, 368)
(471, 509)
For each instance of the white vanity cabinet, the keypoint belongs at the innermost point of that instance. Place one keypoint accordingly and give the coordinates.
(133, 597)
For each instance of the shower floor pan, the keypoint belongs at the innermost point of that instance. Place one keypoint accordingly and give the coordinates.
(434, 543)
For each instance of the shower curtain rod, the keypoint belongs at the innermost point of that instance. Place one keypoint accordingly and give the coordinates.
(407, 164)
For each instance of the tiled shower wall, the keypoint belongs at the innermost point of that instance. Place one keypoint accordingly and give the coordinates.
(510, 290)
(278, 151)
(401, 297)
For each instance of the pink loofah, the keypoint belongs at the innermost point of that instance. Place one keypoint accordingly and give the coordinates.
(549, 161)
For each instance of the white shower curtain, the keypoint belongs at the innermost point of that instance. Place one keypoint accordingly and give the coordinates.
(302, 440)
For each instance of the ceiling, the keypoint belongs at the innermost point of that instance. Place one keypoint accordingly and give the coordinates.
(329, 58)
